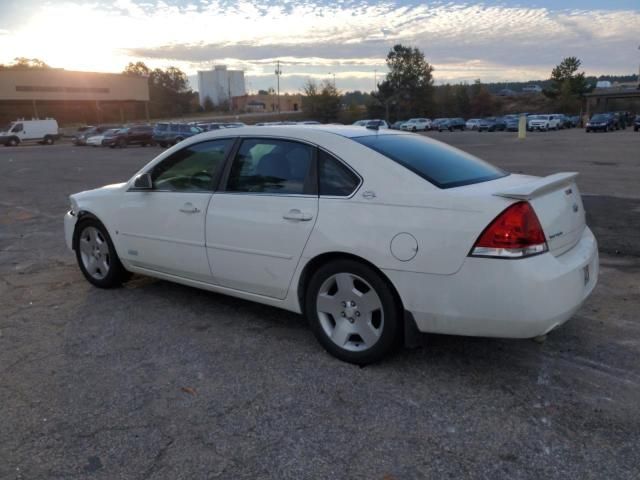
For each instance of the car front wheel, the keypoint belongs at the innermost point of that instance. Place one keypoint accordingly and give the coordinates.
(97, 256)
(353, 312)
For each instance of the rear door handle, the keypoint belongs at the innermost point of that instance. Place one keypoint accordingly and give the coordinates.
(189, 208)
(297, 215)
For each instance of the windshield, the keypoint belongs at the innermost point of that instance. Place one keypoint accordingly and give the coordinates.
(599, 118)
(440, 164)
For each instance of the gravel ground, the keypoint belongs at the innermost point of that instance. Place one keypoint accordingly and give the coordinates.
(157, 380)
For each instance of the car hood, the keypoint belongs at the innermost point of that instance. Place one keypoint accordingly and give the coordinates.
(98, 192)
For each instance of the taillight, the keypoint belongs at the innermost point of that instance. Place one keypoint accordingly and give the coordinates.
(515, 233)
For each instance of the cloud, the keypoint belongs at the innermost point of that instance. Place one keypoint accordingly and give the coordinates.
(349, 38)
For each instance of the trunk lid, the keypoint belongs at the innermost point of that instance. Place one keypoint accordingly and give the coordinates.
(558, 205)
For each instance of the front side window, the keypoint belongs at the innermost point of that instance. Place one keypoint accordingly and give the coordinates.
(17, 127)
(271, 166)
(336, 179)
(193, 168)
(440, 164)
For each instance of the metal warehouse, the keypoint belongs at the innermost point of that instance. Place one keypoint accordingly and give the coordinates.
(72, 96)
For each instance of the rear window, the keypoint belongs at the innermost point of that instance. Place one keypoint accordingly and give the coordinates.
(440, 164)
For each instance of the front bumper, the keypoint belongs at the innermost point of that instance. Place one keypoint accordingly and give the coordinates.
(69, 227)
(502, 298)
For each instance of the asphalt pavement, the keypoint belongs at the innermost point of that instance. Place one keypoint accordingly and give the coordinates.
(156, 380)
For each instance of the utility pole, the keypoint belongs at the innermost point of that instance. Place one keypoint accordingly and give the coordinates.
(278, 73)
(375, 79)
(229, 91)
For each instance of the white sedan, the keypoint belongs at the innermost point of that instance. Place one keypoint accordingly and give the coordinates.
(371, 234)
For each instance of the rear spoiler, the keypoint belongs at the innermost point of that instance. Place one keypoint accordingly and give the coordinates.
(537, 187)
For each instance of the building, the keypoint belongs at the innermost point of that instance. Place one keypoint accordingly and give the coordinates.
(69, 96)
(220, 85)
(267, 103)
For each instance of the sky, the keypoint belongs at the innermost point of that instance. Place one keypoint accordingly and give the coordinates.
(317, 39)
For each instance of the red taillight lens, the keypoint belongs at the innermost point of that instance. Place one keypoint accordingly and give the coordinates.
(515, 233)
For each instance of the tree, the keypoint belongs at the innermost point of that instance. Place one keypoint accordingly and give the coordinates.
(566, 80)
(408, 86)
(207, 105)
(138, 69)
(482, 103)
(321, 102)
(169, 91)
(462, 100)
(263, 92)
(23, 63)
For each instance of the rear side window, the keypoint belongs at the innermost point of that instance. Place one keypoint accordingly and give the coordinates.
(336, 179)
(440, 164)
(271, 166)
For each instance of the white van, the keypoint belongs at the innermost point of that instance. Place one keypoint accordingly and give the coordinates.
(41, 131)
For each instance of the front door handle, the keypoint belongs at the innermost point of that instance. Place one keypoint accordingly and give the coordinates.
(297, 215)
(189, 208)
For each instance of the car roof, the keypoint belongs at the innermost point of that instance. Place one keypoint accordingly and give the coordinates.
(347, 131)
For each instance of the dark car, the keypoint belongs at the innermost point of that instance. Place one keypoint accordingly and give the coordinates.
(134, 135)
(452, 124)
(397, 125)
(601, 122)
(166, 134)
(80, 137)
(636, 123)
(492, 124)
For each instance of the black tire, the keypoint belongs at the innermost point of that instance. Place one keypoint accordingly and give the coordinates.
(121, 143)
(162, 144)
(414, 129)
(390, 328)
(116, 273)
(48, 140)
(13, 142)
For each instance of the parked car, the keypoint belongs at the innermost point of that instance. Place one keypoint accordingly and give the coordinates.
(511, 123)
(437, 123)
(473, 124)
(80, 138)
(496, 124)
(452, 245)
(543, 123)
(417, 125)
(135, 135)
(397, 125)
(486, 125)
(450, 124)
(602, 122)
(96, 139)
(167, 134)
(238, 124)
(636, 123)
(574, 120)
(372, 123)
(30, 131)
(457, 124)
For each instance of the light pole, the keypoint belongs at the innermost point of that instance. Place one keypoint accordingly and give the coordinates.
(278, 73)
(334, 79)
(375, 79)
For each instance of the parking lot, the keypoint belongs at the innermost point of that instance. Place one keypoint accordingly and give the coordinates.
(158, 380)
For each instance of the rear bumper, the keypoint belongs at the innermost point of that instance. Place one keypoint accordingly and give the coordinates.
(502, 298)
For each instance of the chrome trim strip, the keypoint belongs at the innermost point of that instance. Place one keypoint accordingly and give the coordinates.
(163, 239)
(251, 251)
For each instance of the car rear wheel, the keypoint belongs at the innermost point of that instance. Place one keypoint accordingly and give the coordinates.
(96, 255)
(122, 143)
(48, 140)
(353, 311)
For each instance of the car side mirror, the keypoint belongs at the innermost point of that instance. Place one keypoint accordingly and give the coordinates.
(143, 182)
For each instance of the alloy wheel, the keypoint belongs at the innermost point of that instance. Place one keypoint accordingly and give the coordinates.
(350, 312)
(95, 254)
